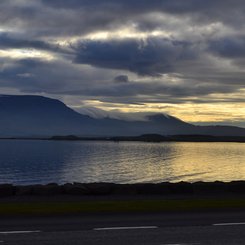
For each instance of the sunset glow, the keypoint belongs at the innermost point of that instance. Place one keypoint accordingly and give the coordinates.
(121, 57)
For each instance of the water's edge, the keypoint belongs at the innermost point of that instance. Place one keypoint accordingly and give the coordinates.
(91, 189)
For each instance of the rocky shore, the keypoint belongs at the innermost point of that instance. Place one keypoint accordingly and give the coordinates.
(100, 189)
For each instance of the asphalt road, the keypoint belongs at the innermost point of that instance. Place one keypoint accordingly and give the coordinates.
(117, 229)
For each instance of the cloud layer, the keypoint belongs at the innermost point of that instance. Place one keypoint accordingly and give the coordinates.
(127, 55)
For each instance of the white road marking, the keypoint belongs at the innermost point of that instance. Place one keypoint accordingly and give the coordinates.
(18, 232)
(125, 228)
(224, 224)
(181, 244)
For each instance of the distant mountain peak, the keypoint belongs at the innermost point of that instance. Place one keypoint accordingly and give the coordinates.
(27, 98)
(31, 115)
(162, 117)
(158, 116)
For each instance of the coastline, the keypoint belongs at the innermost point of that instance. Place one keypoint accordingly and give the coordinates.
(154, 138)
(112, 189)
(101, 198)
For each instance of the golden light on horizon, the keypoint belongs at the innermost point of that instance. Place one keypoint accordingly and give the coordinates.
(189, 112)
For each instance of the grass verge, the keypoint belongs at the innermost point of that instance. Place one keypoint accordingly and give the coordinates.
(59, 208)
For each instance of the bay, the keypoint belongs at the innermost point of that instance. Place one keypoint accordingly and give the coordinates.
(41, 162)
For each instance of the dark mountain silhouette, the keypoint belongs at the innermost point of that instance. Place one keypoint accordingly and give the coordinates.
(37, 116)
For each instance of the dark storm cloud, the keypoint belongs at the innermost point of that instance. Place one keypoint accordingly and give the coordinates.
(121, 79)
(149, 91)
(208, 10)
(154, 88)
(38, 20)
(9, 41)
(186, 62)
(152, 57)
(173, 6)
(35, 76)
(229, 47)
(75, 17)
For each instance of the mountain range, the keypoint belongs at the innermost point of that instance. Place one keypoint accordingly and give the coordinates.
(38, 116)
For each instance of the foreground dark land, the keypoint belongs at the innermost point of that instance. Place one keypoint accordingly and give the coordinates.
(107, 197)
(103, 213)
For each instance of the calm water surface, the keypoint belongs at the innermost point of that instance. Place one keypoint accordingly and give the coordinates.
(29, 162)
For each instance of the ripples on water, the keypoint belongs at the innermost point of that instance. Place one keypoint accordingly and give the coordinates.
(28, 162)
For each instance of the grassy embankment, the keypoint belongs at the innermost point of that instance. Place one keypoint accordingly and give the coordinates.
(134, 206)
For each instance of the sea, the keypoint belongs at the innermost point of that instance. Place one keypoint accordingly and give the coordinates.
(25, 162)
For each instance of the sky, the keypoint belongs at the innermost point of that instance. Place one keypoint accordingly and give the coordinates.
(128, 58)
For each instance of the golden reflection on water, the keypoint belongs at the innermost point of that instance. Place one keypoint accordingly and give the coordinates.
(31, 162)
(130, 162)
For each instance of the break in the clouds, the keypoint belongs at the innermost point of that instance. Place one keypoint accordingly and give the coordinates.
(185, 58)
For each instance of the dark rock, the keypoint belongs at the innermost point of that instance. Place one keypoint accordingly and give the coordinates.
(126, 189)
(154, 189)
(37, 190)
(164, 188)
(209, 187)
(100, 188)
(236, 187)
(181, 188)
(7, 190)
(24, 190)
(75, 189)
(50, 189)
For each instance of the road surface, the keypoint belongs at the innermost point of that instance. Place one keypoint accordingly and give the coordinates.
(126, 228)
